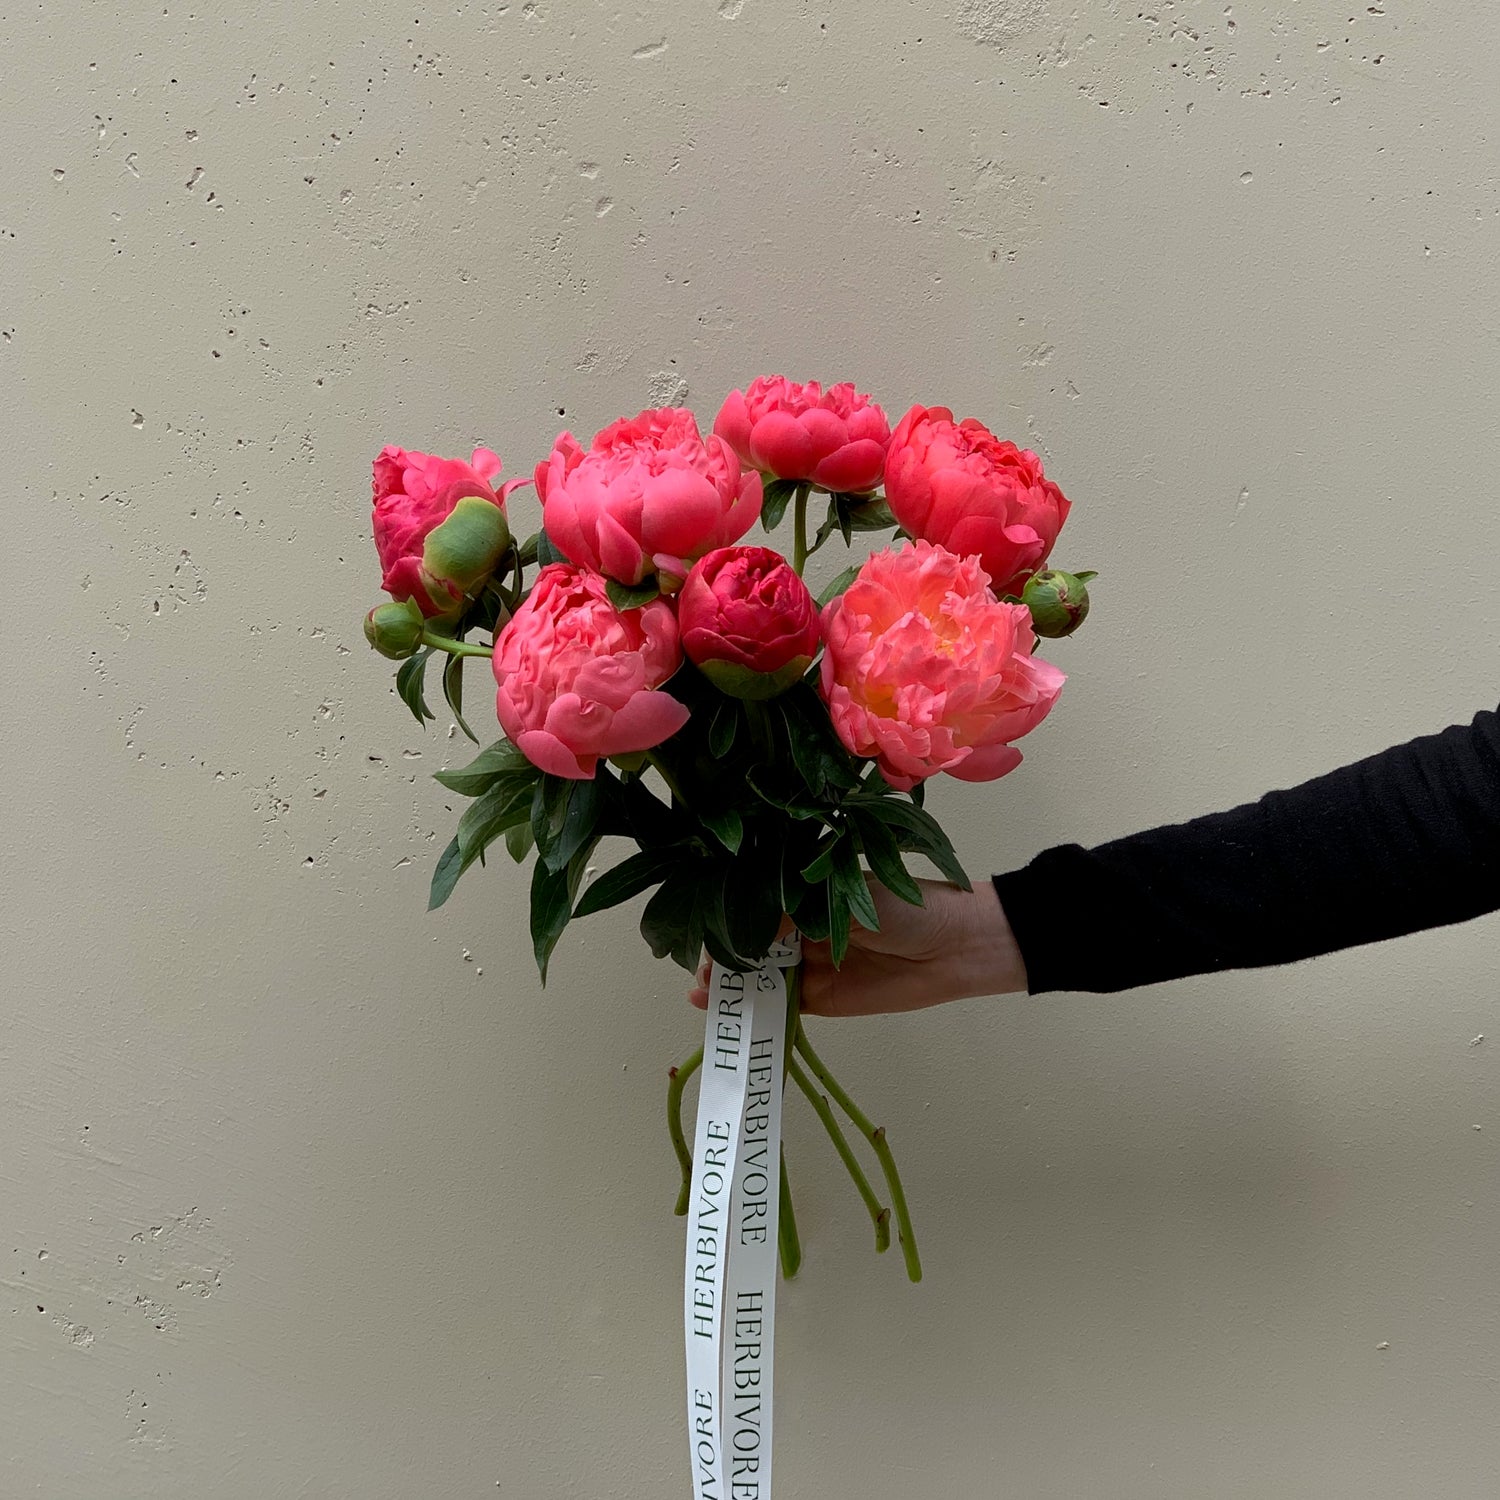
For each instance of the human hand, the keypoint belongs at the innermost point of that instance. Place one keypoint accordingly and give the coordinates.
(955, 946)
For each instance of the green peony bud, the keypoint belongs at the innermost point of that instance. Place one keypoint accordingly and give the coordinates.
(395, 630)
(461, 553)
(1058, 601)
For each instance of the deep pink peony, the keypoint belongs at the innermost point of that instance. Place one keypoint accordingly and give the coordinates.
(577, 678)
(925, 670)
(433, 548)
(748, 621)
(835, 439)
(956, 484)
(650, 495)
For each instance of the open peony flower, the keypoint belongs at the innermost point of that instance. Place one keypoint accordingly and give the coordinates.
(835, 439)
(748, 621)
(649, 495)
(925, 670)
(958, 485)
(440, 527)
(577, 678)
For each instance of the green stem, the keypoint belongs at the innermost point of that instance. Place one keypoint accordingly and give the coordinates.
(676, 1079)
(876, 1137)
(786, 1227)
(880, 1216)
(455, 648)
(799, 546)
(666, 776)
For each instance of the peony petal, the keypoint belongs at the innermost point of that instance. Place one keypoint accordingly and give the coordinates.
(645, 722)
(548, 753)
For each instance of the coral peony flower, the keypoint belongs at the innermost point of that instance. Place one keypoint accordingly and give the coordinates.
(958, 485)
(925, 670)
(650, 495)
(440, 526)
(577, 678)
(748, 621)
(835, 438)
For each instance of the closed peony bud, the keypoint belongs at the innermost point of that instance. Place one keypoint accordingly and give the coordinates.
(394, 629)
(1058, 601)
(748, 622)
(440, 526)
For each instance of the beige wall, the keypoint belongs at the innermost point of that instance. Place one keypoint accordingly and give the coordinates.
(304, 1192)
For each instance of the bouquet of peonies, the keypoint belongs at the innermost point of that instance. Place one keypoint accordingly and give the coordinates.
(660, 681)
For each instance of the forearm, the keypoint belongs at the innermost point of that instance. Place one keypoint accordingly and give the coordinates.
(1405, 840)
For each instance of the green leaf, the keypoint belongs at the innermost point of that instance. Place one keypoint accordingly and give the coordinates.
(826, 530)
(721, 732)
(519, 841)
(549, 808)
(629, 878)
(496, 811)
(553, 893)
(832, 590)
(850, 886)
(776, 495)
(584, 809)
(915, 829)
(526, 553)
(489, 815)
(752, 898)
(628, 596)
(453, 691)
(866, 514)
(409, 685)
(501, 759)
(546, 551)
(726, 825)
(716, 938)
(812, 913)
(820, 759)
(672, 922)
(450, 866)
(838, 925)
(884, 854)
(821, 866)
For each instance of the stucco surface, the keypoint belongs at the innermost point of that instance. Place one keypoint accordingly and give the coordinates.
(304, 1192)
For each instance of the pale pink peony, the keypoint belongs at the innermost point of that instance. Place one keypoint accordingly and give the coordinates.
(835, 439)
(650, 495)
(414, 494)
(925, 670)
(958, 485)
(577, 677)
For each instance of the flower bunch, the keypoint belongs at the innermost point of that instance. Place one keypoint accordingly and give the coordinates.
(663, 680)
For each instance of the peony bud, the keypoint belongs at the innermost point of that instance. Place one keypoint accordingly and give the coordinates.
(394, 628)
(464, 551)
(440, 526)
(1058, 601)
(748, 622)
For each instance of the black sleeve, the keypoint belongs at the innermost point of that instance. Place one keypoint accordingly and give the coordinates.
(1405, 840)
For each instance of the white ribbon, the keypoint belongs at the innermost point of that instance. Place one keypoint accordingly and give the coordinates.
(729, 1288)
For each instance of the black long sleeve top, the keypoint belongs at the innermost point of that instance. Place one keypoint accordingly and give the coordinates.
(1405, 840)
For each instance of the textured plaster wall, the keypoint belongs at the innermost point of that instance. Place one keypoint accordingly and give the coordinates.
(306, 1193)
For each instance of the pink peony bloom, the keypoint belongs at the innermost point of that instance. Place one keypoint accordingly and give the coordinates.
(649, 495)
(835, 439)
(748, 621)
(577, 678)
(925, 670)
(958, 485)
(434, 548)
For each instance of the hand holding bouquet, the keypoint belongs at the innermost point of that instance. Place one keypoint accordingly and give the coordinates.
(663, 681)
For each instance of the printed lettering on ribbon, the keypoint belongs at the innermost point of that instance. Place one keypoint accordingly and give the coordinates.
(730, 1284)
